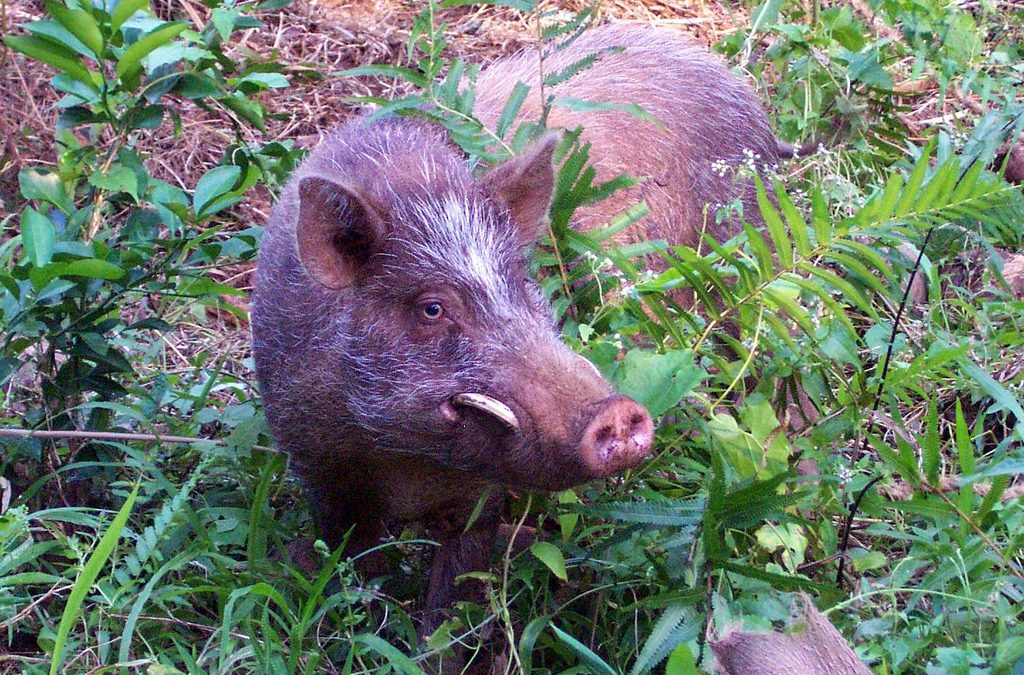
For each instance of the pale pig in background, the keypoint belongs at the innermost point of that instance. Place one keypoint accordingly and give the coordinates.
(406, 360)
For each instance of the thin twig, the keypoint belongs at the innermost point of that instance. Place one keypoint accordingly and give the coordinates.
(54, 590)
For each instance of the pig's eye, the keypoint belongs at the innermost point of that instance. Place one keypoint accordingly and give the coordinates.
(432, 311)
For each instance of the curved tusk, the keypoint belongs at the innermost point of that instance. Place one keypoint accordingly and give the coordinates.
(489, 405)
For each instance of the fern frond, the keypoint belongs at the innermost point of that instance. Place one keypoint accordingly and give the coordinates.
(680, 513)
(675, 625)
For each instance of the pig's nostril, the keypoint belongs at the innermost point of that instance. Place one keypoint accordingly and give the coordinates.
(618, 436)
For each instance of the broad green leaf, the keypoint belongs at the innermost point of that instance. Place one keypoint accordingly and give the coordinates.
(264, 80)
(658, 381)
(550, 555)
(120, 179)
(51, 53)
(797, 227)
(81, 24)
(56, 32)
(214, 183)
(788, 538)
(129, 61)
(964, 447)
(93, 268)
(38, 236)
(83, 584)
(37, 184)
(223, 20)
(675, 513)
(525, 6)
(124, 10)
(681, 661)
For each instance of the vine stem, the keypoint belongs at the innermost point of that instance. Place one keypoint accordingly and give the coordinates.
(17, 432)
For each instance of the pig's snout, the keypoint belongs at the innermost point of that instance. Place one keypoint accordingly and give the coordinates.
(618, 437)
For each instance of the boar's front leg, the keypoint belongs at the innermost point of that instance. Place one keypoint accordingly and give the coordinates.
(461, 552)
(340, 506)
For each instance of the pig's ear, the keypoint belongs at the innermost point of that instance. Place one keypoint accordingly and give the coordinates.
(338, 231)
(525, 184)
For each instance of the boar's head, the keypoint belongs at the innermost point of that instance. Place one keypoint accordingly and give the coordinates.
(445, 347)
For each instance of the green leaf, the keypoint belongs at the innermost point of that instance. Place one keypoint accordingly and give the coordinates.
(773, 222)
(382, 70)
(681, 661)
(120, 179)
(869, 560)
(675, 513)
(1004, 400)
(865, 67)
(908, 197)
(81, 24)
(124, 10)
(129, 61)
(550, 555)
(964, 448)
(215, 183)
(223, 20)
(37, 184)
(264, 80)
(54, 31)
(529, 638)
(596, 664)
(931, 447)
(1009, 656)
(525, 6)
(51, 53)
(38, 236)
(395, 657)
(579, 105)
(93, 268)
(658, 381)
(511, 109)
(97, 559)
(671, 629)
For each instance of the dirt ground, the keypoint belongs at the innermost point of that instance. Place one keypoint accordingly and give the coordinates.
(311, 39)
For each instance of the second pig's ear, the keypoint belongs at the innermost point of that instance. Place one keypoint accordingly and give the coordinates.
(524, 185)
(338, 231)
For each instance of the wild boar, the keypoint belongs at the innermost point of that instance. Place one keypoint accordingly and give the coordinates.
(713, 127)
(406, 359)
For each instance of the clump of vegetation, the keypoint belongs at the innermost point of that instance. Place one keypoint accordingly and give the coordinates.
(124, 544)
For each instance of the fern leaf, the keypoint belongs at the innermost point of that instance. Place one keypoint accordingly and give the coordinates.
(675, 625)
(680, 513)
(797, 226)
(773, 222)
